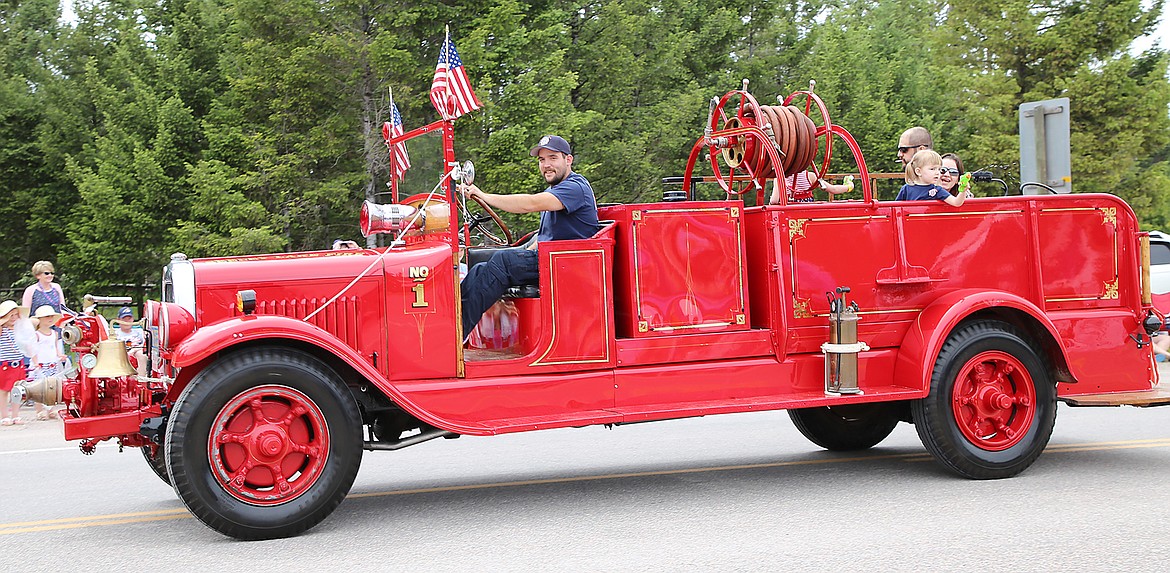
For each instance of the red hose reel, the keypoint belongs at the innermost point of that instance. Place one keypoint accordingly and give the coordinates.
(749, 144)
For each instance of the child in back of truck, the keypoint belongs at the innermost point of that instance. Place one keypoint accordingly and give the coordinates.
(923, 173)
(133, 338)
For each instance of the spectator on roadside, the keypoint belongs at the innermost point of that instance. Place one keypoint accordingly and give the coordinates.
(1161, 345)
(912, 141)
(952, 169)
(133, 339)
(922, 176)
(48, 356)
(11, 363)
(44, 291)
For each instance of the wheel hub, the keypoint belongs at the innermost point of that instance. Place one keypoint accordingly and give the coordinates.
(271, 443)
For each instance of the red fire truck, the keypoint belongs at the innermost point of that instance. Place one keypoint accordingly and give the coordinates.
(271, 374)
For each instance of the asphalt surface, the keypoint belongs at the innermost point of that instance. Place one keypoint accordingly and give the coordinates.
(729, 493)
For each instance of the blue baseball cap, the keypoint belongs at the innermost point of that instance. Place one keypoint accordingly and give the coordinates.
(553, 143)
(125, 312)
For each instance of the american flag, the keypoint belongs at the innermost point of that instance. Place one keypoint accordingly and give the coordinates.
(399, 161)
(451, 89)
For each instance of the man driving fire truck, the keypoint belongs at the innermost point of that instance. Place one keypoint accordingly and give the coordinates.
(568, 210)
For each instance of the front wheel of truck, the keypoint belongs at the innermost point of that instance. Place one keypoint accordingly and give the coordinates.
(264, 443)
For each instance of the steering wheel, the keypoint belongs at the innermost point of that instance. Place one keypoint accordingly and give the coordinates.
(487, 226)
(482, 229)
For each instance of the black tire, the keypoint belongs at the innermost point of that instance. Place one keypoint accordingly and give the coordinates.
(157, 462)
(1000, 429)
(846, 427)
(295, 394)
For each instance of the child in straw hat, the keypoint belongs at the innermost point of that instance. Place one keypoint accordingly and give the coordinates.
(11, 363)
(48, 352)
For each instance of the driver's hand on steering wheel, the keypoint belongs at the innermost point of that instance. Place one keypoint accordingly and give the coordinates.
(470, 190)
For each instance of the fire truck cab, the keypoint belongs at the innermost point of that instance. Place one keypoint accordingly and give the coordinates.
(271, 374)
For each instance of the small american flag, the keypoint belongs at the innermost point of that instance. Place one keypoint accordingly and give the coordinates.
(399, 161)
(451, 89)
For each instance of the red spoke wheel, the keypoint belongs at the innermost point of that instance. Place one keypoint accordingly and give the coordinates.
(992, 402)
(264, 443)
(268, 445)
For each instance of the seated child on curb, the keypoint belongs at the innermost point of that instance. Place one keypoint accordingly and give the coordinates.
(923, 173)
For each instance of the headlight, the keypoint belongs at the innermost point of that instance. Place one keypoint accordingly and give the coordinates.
(178, 284)
(174, 317)
(174, 324)
(151, 311)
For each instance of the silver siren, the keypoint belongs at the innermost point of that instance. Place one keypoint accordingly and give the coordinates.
(390, 218)
(396, 218)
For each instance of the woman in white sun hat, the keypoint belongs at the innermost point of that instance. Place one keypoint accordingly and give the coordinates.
(11, 363)
(48, 353)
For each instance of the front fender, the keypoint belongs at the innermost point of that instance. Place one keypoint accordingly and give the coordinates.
(923, 341)
(205, 342)
(208, 340)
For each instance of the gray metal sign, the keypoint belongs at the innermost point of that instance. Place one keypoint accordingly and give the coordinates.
(1045, 152)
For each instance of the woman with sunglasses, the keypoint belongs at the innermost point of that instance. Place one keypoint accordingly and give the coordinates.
(952, 169)
(44, 291)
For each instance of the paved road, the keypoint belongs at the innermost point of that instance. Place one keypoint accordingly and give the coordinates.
(733, 493)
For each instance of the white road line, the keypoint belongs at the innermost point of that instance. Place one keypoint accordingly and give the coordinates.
(65, 449)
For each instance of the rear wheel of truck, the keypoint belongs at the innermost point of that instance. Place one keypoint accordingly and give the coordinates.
(992, 403)
(264, 443)
(846, 427)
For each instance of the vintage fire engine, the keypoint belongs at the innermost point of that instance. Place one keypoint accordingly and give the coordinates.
(271, 374)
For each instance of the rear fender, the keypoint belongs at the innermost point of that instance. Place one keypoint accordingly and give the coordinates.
(200, 347)
(925, 338)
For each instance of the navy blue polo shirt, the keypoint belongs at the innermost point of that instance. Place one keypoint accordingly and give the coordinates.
(578, 220)
(911, 192)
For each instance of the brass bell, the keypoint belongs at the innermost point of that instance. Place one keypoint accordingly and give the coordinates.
(112, 360)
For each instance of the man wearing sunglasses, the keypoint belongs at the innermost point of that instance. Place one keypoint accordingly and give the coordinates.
(911, 141)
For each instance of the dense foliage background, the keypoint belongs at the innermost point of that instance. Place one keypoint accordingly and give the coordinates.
(216, 127)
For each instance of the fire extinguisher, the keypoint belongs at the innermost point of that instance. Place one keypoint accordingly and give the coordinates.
(842, 348)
